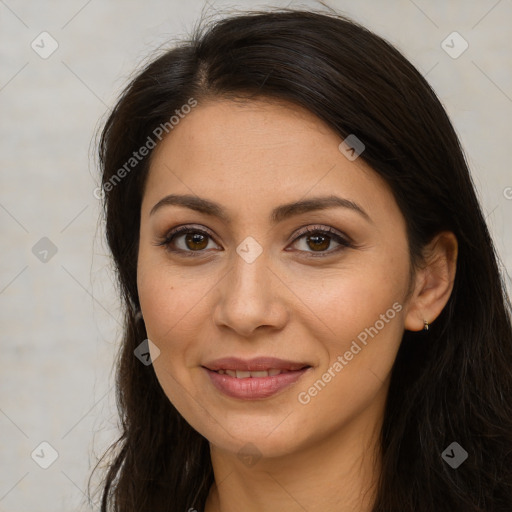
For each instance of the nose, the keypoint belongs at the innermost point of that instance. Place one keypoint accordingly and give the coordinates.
(251, 296)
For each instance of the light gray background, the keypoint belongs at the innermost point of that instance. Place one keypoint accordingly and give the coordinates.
(60, 318)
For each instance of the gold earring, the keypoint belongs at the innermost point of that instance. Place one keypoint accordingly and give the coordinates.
(425, 327)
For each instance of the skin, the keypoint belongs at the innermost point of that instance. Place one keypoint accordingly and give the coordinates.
(251, 157)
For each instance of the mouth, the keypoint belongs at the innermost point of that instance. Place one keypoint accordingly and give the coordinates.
(257, 367)
(242, 374)
(257, 378)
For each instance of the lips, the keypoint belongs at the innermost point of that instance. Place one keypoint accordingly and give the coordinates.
(253, 379)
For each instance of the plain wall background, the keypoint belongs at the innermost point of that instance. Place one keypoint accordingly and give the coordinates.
(60, 318)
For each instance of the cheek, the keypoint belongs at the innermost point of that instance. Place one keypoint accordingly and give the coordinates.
(176, 313)
(167, 299)
(359, 318)
(171, 310)
(347, 300)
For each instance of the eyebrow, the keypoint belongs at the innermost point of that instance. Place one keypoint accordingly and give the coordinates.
(278, 214)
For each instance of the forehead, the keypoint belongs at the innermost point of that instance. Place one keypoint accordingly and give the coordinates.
(270, 151)
(249, 127)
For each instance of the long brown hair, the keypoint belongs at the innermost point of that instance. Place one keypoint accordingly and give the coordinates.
(454, 385)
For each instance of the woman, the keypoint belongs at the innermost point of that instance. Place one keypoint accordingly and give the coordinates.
(315, 318)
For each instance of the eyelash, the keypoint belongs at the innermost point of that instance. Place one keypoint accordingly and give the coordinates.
(323, 230)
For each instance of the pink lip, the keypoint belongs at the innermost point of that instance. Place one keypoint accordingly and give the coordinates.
(253, 388)
(255, 364)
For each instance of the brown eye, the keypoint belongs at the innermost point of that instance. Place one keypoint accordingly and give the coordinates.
(196, 241)
(186, 240)
(319, 239)
(190, 241)
(318, 242)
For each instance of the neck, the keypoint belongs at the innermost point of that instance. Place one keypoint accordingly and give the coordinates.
(340, 474)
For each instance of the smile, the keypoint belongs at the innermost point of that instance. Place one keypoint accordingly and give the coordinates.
(241, 374)
(254, 385)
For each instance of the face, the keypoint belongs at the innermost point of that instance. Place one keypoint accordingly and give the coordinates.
(252, 276)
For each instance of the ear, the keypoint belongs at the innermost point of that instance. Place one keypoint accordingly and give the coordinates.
(433, 281)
